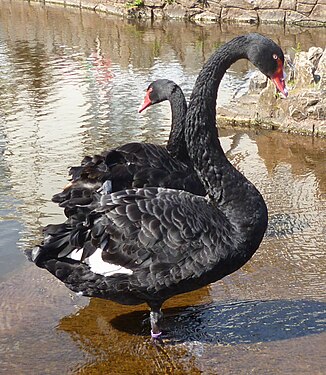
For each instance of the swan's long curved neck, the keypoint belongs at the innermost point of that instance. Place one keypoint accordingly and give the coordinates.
(235, 196)
(176, 143)
(203, 99)
(201, 133)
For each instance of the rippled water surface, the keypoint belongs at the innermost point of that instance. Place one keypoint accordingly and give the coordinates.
(70, 85)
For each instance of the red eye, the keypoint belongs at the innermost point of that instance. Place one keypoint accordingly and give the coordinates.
(275, 57)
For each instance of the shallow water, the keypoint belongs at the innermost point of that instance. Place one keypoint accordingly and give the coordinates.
(71, 83)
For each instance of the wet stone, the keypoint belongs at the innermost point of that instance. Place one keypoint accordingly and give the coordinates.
(257, 81)
(320, 72)
(239, 15)
(297, 114)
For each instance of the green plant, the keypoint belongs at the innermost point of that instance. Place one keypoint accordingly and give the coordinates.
(135, 4)
(298, 48)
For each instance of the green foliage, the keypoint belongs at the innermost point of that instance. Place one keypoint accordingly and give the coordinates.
(298, 48)
(135, 4)
(290, 82)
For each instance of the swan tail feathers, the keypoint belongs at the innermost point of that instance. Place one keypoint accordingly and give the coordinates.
(80, 279)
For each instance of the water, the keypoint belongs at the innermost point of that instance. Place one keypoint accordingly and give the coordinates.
(71, 83)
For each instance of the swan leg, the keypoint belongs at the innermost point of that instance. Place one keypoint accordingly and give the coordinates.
(155, 316)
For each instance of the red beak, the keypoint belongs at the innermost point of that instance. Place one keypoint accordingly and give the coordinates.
(278, 78)
(147, 101)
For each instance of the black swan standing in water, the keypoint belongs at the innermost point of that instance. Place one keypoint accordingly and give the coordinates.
(137, 164)
(157, 242)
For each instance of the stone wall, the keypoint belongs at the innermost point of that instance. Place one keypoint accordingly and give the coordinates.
(248, 11)
(299, 12)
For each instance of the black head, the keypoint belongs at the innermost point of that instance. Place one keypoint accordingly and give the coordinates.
(157, 92)
(268, 57)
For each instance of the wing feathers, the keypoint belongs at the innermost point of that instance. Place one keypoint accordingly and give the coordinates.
(162, 235)
(164, 225)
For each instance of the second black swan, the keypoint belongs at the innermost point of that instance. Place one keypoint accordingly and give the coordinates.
(156, 242)
(137, 164)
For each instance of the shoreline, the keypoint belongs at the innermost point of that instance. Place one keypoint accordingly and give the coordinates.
(293, 115)
(311, 13)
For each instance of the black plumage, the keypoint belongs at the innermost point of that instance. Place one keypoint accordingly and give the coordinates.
(137, 164)
(160, 242)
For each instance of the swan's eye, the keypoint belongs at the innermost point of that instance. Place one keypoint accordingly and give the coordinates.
(275, 57)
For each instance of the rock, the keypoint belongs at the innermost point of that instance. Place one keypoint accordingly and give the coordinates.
(240, 4)
(305, 8)
(214, 7)
(304, 71)
(271, 16)
(317, 112)
(267, 4)
(267, 102)
(154, 3)
(296, 113)
(314, 54)
(239, 15)
(206, 16)
(313, 2)
(212, 13)
(321, 71)
(258, 81)
(304, 111)
(157, 13)
(306, 64)
(319, 13)
(312, 102)
(288, 4)
(295, 17)
(175, 10)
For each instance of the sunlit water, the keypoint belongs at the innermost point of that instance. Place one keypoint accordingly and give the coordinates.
(70, 85)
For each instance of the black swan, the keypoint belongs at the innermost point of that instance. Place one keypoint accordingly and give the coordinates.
(158, 242)
(137, 164)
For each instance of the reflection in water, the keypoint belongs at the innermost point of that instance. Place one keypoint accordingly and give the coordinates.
(100, 66)
(70, 85)
(92, 330)
(116, 341)
(239, 322)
